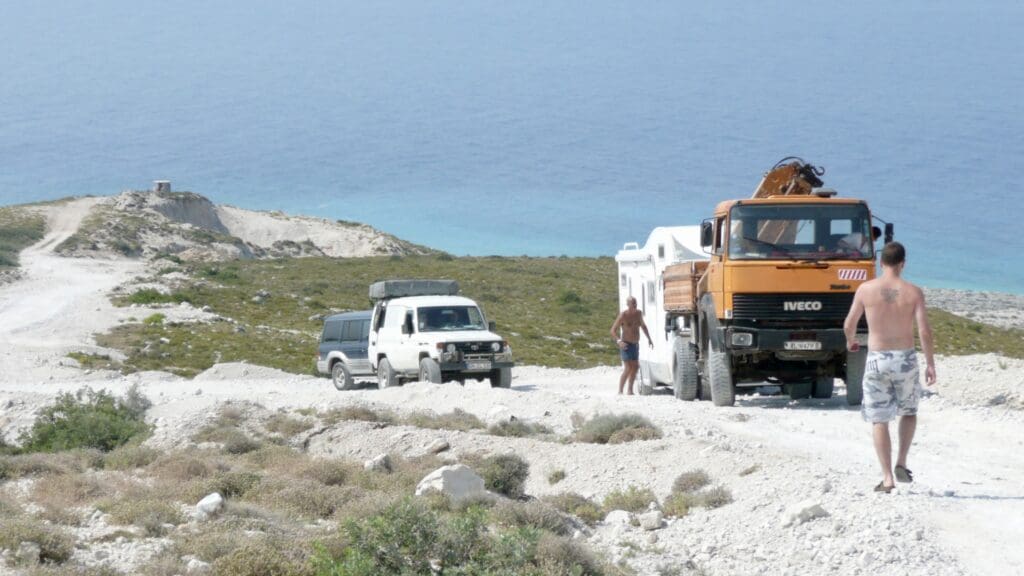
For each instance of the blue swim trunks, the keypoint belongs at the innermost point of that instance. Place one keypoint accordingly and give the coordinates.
(631, 351)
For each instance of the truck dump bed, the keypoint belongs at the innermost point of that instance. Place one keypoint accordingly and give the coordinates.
(681, 285)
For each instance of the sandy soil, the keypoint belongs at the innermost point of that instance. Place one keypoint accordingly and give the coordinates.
(963, 515)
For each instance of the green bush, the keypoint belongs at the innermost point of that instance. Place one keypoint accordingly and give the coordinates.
(579, 506)
(601, 428)
(154, 319)
(678, 504)
(55, 544)
(505, 474)
(148, 296)
(88, 419)
(631, 499)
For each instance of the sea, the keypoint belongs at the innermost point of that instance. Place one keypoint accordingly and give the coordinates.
(532, 127)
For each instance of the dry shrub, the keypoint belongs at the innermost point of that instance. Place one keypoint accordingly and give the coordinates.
(276, 459)
(60, 494)
(634, 433)
(631, 499)
(579, 506)
(518, 429)
(532, 514)
(359, 413)
(178, 467)
(328, 472)
(716, 497)
(146, 510)
(73, 570)
(405, 475)
(750, 469)
(602, 427)
(229, 484)
(560, 555)
(258, 560)
(556, 476)
(457, 419)
(130, 457)
(286, 425)
(690, 481)
(678, 504)
(37, 464)
(213, 540)
(165, 564)
(231, 415)
(233, 440)
(303, 498)
(55, 544)
(9, 505)
(505, 474)
(366, 505)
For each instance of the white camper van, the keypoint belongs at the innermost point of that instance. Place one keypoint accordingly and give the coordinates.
(641, 275)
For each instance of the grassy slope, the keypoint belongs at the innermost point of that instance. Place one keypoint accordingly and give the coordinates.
(554, 311)
(549, 309)
(18, 230)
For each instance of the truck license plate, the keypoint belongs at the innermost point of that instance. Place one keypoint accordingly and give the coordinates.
(478, 365)
(803, 345)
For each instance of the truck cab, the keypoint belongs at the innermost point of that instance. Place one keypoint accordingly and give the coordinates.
(434, 337)
(779, 283)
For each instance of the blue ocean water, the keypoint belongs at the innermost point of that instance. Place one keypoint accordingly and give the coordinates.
(531, 127)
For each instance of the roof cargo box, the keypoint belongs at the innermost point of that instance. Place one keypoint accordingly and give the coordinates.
(399, 288)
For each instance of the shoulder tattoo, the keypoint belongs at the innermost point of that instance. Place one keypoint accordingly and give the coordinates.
(890, 294)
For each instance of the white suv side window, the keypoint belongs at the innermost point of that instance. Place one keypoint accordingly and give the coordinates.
(394, 319)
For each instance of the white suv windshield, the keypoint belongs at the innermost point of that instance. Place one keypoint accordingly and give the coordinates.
(449, 318)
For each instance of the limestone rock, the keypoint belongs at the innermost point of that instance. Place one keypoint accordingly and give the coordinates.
(651, 520)
(380, 463)
(459, 482)
(618, 517)
(209, 506)
(803, 512)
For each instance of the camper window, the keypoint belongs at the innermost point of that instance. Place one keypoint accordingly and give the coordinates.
(622, 280)
(661, 251)
(650, 292)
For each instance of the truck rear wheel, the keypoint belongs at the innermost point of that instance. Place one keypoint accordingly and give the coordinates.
(341, 376)
(430, 371)
(720, 371)
(685, 379)
(501, 378)
(386, 377)
(855, 376)
(823, 386)
(799, 391)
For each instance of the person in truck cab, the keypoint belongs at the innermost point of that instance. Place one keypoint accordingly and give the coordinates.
(630, 322)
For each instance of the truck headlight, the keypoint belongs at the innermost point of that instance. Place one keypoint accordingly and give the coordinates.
(496, 346)
(450, 349)
(742, 339)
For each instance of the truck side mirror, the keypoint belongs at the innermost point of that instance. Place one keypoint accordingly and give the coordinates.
(492, 326)
(706, 234)
(888, 233)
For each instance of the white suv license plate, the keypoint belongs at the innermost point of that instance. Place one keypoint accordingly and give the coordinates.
(478, 365)
(802, 345)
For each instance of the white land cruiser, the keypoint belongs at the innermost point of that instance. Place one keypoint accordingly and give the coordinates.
(420, 330)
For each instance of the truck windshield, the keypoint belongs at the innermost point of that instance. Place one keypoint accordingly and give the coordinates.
(800, 232)
(448, 318)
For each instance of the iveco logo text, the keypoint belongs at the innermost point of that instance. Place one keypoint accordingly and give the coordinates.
(802, 306)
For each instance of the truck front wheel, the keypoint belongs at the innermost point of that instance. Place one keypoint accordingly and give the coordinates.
(430, 371)
(685, 379)
(855, 376)
(501, 378)
(720, 370)
(386, 376)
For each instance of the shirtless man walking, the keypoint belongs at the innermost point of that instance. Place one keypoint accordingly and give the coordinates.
(891, 384)
(631, 321)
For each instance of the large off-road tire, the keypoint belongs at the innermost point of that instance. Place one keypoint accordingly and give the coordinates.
(501, 378)
(823, 386)
(855, 362)
(430, 371)
(342, 376)
(685, 379)
(720, 372)
(386, 376)
(799, 390)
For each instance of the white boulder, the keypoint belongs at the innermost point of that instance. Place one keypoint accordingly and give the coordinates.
(380, 463)
(651, 520)
(618, 517)
(209, 506)
(803, 512)
(458, 482)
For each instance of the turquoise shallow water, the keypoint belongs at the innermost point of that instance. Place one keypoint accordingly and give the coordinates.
(530, 127)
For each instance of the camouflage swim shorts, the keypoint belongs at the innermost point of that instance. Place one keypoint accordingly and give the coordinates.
(891, 385)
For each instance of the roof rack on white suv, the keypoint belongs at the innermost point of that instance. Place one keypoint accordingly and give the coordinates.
(387, 289)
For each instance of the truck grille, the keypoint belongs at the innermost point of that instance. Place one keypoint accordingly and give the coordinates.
(826, 306)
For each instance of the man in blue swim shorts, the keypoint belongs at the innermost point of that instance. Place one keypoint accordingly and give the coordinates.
(630, 322)
(891, 384)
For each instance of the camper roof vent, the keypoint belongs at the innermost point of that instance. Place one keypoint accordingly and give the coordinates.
(824, 192)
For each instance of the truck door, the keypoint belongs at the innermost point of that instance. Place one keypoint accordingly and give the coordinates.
(375, 328)
(716, 266)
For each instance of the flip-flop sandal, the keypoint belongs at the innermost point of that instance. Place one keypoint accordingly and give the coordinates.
(903, 475)
(883, 488)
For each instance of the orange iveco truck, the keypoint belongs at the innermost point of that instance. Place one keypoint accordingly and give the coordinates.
(768, 304)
